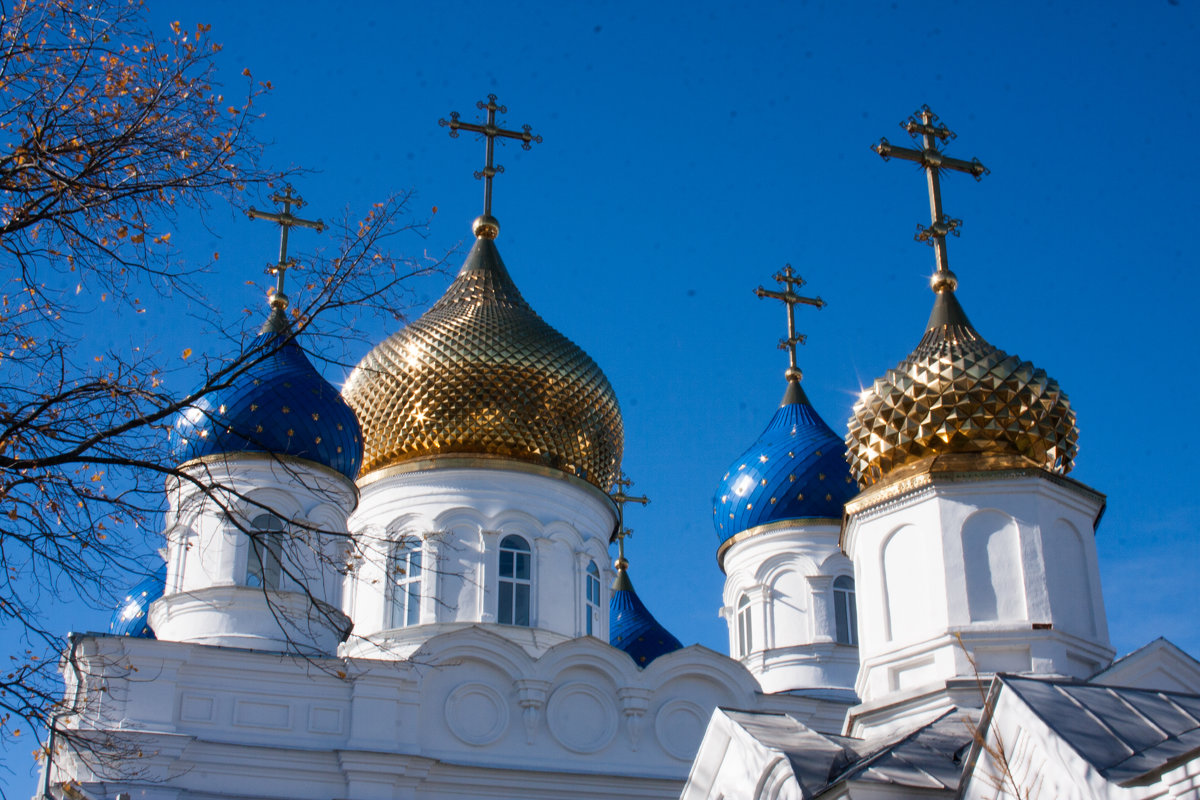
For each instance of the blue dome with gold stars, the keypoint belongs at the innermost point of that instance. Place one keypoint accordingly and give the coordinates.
(130, 617)
(632, 628)
(280, 405)
(795, 470)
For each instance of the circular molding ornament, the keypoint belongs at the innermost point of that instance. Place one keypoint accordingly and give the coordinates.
(679, 725)
(477, 714)
(581, 718)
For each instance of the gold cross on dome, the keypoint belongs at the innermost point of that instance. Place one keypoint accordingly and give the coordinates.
(790, 283)
(286, 221)
(925, 123)
(620, 497)
(490, 132)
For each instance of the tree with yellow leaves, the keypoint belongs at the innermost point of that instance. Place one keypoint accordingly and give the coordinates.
(107, 132)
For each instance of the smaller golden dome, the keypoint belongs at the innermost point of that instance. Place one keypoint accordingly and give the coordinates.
(958, 394)
(482, 373)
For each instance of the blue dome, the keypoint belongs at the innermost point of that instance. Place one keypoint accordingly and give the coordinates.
(130, 617)
(632, 628)
(279, 405)
(796, 470)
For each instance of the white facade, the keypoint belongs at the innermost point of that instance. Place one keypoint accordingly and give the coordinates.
(458, 513)
(256, 549)
(782, 606)
(456, 700)
(971, 574)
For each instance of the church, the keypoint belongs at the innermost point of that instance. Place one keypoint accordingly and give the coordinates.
(402, 589)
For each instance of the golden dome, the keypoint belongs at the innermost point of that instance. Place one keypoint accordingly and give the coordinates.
(482, 373)
(958, 394)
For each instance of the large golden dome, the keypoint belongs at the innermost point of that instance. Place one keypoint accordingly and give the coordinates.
(958, 394)
(482, 373)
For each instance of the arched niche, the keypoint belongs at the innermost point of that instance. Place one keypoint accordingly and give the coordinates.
(913, 584)
(1068, 579)
(991, 543)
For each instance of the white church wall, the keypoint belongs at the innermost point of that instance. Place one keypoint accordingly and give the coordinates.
(977, 575)
(992, 556)
(1074, 597)
(913, 583)
(462, 516)
(470, 714)
(293, 598)
(786, 572)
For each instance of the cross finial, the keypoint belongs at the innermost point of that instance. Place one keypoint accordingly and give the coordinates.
(620, 497)
(925, 123)
(790, 283)
(279, 300)
(486, 226)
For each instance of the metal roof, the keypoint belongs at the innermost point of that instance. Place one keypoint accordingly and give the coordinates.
(1126, 734)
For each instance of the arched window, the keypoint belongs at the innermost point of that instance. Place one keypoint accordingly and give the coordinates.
(845, 614)
(264, 562)
(592, 598)
(515, 582)
(404, 584)
(745, 630)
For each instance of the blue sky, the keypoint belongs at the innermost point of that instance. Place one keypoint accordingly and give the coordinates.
(691, 150)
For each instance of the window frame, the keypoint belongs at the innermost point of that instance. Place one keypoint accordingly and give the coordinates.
(591, 599)
(744, 625)
(264, 556)
(407, 588)
(519, 589)
(845, 611)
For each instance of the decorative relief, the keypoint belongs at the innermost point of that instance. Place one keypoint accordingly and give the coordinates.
(323, 719)
(679, 725)
(581, 718)
(255, 714)
(477, 714)
(531, 694)
(196, 708)
(634, 702)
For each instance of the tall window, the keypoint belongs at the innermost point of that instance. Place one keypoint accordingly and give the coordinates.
(404, 584)
(264, 565)
(845, 613)
(515, 581)
(745, 630)
(592, 598)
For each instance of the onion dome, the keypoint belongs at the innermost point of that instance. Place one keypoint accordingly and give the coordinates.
(631, 626)
(278, 404)
(130, 617)
(795, 470)
(958, 394)
(481, 373)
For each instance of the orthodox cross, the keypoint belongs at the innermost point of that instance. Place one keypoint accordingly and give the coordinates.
(790, 283)
(286, 221)
(620, 497)
(490, 131)
(931, 130)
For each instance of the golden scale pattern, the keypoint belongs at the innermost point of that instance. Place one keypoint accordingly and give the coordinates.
(482, 373)
(957, 393)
